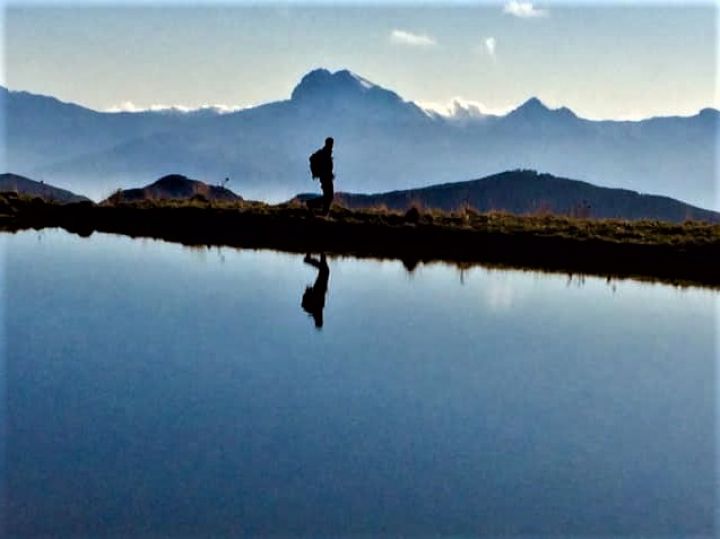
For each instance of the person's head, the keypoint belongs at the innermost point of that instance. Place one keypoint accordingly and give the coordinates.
(329, 142)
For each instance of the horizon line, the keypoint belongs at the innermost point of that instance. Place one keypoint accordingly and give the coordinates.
(223, 109)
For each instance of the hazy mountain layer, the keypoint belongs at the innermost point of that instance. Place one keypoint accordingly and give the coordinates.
(382, 143)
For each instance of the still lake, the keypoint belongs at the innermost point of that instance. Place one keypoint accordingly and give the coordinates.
(153, 390)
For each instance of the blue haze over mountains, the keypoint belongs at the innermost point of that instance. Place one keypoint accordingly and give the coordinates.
(383, 143)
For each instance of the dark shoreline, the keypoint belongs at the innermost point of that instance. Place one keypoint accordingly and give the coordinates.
(683, 259)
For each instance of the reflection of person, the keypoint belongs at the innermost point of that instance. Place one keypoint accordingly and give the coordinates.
(313, 300)
(321, 166)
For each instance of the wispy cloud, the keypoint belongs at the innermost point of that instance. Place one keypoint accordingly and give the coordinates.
(402, 37)
(523, 10)
(490, 44)
(129, 106)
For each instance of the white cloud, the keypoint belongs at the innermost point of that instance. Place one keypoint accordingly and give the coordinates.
(490, 44)
(401, 37)
(125, 106)
(524, 10)
(129, 106)
(459, 108)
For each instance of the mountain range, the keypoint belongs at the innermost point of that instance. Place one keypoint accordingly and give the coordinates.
(383, 143)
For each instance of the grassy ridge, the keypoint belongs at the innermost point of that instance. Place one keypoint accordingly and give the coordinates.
(687, 253)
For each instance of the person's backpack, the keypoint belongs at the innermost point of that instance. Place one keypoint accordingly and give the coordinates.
(316, 164)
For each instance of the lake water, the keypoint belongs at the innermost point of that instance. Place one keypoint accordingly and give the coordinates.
(153, 390)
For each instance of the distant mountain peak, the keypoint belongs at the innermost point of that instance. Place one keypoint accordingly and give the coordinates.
(344, 92)
(534, 108)
(531, 106)
(353, 78)
(323, 83)
(534, 103)
(709, 112)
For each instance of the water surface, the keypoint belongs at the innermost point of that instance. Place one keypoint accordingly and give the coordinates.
(153, 390)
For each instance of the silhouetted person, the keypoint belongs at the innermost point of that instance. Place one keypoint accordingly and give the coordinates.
(313, 300)
(321, 167)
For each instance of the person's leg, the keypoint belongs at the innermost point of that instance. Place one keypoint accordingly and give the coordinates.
(328, 195)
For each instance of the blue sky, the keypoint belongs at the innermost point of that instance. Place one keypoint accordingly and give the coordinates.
(601, 60)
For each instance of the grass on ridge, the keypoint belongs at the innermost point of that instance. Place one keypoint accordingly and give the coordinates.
(645, 231)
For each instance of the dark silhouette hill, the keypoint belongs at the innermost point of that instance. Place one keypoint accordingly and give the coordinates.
(527, 192)
(383, 142)
(25, 186)
(175, 187)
